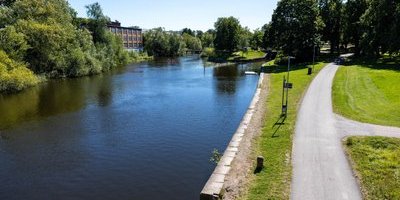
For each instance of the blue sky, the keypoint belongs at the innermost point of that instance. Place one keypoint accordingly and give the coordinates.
(178, 14)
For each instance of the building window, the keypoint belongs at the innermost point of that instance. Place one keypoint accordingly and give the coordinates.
(126, 45)
(125, 38)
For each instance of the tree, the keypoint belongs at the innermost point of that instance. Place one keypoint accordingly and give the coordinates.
(256, 40)
(14, 75)
(381, 22)
(191, 42)
(353, 29)
(207, 39)
(6, 2)
(187, 31)
(199, 33)
(227, 34)
(160, 43)
(331, 14)
(97, 24)
(294, 28)
(245, 36)
(13, 43)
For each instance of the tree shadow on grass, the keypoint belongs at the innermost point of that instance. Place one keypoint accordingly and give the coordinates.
(385, 63)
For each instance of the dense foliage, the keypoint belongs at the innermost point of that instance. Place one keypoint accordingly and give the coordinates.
(227, 35)
(372, 27)
(52, 42)
(161, 43)
(294, 28)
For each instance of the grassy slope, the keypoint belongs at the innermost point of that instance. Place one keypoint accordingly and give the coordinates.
(377, 162)
(275, 142)
(246, 55)
(368, 93)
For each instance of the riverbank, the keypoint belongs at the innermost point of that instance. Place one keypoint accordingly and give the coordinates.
(267, 134)
(275, 140)
(235, 57)
(227, 177)
(16, 77)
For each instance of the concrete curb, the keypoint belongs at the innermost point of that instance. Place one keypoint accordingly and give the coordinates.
(213, 189)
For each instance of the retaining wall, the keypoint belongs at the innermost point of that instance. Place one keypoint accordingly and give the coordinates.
(213, 189)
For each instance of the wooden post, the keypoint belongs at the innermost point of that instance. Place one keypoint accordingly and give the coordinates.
(260, 162)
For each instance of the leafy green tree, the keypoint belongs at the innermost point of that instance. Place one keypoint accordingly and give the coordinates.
(227, 34)
(13, 43)
(381, 22)
(331, 14)
(256, 40)
(199, 33)
(14, 76)
(97, 24)
(6, 2)
(294, 28)
(187, 31)
(353, 29)
(191, 42)
(245, 36)
(160, 43)
(207, 39)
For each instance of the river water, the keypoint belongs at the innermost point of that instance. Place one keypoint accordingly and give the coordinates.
(143, 132)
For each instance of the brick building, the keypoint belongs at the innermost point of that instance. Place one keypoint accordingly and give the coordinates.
(132, 37)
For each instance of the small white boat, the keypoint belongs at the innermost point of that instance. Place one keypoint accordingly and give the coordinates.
(250, 73)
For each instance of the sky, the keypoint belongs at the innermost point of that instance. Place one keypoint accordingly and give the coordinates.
(179, 14)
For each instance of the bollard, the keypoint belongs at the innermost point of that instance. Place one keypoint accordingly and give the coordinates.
(260, 162)
(309, 71)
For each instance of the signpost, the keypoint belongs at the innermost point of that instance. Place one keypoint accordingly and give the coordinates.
(285, 90)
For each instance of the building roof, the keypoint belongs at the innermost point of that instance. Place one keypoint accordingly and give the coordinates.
(117, 24)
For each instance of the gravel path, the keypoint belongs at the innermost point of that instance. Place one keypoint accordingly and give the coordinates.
(320, 167)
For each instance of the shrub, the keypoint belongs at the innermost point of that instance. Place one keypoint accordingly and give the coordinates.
(14, 76)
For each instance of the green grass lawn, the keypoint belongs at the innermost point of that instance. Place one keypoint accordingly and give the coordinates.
(368, 92)
(249, 55)
(376, 161)
(275, 141)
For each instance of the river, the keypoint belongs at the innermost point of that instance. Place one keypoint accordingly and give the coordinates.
(145, 131)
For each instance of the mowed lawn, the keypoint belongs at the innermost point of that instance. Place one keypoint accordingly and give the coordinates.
(377, 162)
(249, 55)
(275, 141)
(368, 93)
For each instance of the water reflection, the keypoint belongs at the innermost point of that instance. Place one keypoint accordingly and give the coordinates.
(54, 97)
(225, 81)
(121, 135)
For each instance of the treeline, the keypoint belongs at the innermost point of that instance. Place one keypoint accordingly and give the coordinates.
(228, 36)
(46, 38)
(161, 43)
(372, 27)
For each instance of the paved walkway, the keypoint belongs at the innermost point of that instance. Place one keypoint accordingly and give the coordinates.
(320, 168)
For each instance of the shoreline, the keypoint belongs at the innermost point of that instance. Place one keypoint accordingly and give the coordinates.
(229, 176)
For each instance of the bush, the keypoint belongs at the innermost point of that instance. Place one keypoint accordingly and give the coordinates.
(14, 76)
(208, 52)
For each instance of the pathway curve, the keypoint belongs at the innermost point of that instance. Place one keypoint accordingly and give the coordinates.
(320, 167)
